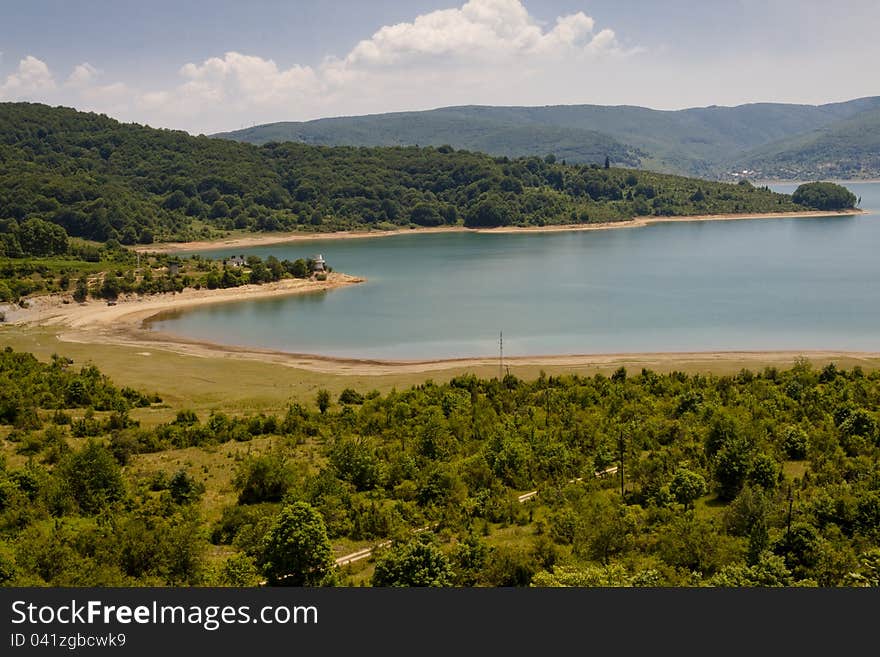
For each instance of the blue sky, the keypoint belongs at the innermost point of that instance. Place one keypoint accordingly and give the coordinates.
(207, 66)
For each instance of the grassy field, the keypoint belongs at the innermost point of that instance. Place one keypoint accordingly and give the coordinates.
(237, 385)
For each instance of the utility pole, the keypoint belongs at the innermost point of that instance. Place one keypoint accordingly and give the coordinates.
(501, 355)
(620, 466)
(788, 524)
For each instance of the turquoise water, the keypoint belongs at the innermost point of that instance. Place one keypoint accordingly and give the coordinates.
(810, 283)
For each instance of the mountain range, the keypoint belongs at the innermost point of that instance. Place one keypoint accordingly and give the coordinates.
(765, 140)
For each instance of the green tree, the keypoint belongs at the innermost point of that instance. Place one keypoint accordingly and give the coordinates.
(687, 486)
(111, 287)
(323, 400)
(264, 478)
(416, 563)
(184, 489)
(81, 291)
(426, 214)
(795, 442)
(296, 550)
(298, 268)
(42, 238)
(93, 477)
(764, 471)
(732, 467)
(824, 196)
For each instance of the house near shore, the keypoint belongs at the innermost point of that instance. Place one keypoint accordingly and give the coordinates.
(319, 265)
(235, 261)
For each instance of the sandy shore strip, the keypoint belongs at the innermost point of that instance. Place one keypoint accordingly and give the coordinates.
(129, 313)
(267, 239)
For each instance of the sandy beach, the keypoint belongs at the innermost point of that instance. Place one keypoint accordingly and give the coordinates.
(122, 322)
(266, 239)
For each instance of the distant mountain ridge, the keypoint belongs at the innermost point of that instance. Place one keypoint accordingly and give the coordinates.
(706, 141)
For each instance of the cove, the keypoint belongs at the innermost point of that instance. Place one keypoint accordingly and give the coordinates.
(793, 284)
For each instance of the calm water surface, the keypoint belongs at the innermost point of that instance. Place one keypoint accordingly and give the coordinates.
(759, 284)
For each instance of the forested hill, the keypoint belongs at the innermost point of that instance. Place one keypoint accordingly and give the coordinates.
(703, 141)
(844, 150)
(103, 180)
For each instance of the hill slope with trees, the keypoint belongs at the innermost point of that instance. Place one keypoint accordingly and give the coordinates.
(704, 141)
(107, 181)
(760, 479)
(844, 150)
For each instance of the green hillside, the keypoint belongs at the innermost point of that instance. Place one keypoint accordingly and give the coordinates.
(103, 180)
(697, 141)
(848, 149)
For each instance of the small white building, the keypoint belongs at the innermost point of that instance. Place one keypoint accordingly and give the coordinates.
(235, 261)
(319, 266)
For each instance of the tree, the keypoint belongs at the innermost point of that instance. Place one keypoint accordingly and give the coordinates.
(795, 442)
(426, 214)
(824, 196)
(764, 471)
(93, 477)
(732, 467)
(81, 291)
(298, 268)
(323, 400)
(416, 563)
(490, 211)
(265, 478)
(355, 462)
(296, 550)
(184, 489)
(42, 238)
(110, 288)
(687, 486)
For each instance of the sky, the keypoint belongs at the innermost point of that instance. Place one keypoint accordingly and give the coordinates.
(208, 66)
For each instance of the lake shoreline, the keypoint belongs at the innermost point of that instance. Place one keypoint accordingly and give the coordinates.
(129, 313)
(124, 324)
(251, 241)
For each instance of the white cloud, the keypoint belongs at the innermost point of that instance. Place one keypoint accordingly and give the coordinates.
(486, 51)
(247, 78)
(442, 57)
(83, 75)
(480, 28)
(32, 79)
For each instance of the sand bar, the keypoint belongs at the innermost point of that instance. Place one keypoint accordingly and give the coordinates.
(129, 313)
(266, 239)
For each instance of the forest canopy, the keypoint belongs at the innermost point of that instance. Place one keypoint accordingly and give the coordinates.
(103, 180)
(764, 478)
(824, 196)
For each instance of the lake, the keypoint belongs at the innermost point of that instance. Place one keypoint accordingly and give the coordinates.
(800, 284)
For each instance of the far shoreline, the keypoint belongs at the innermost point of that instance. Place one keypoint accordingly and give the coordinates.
(257, 240)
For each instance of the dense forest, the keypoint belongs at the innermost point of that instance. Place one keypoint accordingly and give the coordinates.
(844, 150)
(767, 478)
(797, 142)
(110, 182)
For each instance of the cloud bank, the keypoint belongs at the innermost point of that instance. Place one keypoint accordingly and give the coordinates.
(486, 51)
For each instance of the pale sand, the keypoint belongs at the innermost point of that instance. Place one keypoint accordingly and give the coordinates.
(637, 222)
(124, 320)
